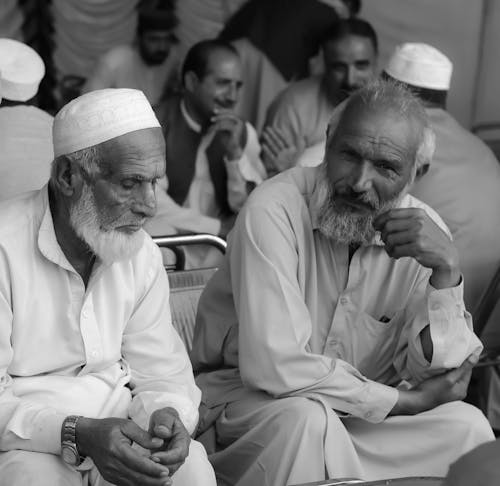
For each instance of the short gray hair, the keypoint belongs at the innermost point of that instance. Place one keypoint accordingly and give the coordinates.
(386, 93)
(89, 159)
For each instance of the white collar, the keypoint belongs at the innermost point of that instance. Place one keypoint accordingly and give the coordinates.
(193, 124)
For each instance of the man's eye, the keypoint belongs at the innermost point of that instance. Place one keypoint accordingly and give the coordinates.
(349, 154)
(389, 169)
(128, 183)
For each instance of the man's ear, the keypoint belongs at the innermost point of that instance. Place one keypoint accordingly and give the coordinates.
(421, 171)
(190, 81)
(67, 176)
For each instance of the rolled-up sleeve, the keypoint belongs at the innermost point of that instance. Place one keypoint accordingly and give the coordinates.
(451, 331)
(275, 324)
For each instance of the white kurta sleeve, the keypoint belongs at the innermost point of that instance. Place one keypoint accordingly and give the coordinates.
(247, 169)
(451, 330)
(275, 325)
(162, 375)
(283, 115)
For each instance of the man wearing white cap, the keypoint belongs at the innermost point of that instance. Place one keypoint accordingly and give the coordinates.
(25, 131)
(462, 182)
(95, 384)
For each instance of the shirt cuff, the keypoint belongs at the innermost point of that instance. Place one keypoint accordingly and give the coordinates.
(39, 433)
(452, 334)
(381, 399)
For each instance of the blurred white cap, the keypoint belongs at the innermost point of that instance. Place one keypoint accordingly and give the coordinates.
(21, 70)
(98, 116)
(420, 65)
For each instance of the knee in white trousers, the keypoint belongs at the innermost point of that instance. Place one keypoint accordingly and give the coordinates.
(22, 468)
(196, 471)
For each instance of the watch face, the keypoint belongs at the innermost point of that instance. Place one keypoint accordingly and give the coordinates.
(70, 455)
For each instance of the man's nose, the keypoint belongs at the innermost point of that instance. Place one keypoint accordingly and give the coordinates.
(362, 177)
(232, 93)
(145, 201)
(352, 78)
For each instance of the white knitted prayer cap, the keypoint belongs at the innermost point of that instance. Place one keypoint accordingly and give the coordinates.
(99, 116)
(420, 65)
(21, 70)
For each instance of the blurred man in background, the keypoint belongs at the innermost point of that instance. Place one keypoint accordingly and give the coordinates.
(25, 130)
(212, 155)
(150, 65)
(297, 119)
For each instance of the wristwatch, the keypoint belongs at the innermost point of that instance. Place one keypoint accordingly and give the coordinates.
(69, 451)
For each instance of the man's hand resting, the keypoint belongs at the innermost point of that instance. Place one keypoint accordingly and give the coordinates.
(444, 388)
(109, 443)
(166, 425)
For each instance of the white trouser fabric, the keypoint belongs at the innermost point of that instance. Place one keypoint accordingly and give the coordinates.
(24, 468)
(278, 442)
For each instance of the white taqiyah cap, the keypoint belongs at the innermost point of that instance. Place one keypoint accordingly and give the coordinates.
(98, 116)
(21, 70)
(420, 65)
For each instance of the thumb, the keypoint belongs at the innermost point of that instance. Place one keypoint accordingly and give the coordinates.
(132, 431)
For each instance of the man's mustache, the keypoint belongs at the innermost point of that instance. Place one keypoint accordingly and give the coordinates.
(359, 198)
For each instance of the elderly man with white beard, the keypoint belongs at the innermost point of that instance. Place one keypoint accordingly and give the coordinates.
(334, 341)
(96, 387)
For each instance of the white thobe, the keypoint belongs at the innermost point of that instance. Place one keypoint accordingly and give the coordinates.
(289, 316)
(70, 349)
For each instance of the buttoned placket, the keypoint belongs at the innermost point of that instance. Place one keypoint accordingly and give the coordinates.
(338, 329)
(89, 328)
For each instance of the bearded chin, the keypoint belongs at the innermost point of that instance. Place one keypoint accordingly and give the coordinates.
(110, 246)
(345, 226)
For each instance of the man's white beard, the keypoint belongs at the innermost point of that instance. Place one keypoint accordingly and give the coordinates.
(110, 245)
(346, 226)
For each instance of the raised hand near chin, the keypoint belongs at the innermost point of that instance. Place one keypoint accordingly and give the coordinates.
(411, 232)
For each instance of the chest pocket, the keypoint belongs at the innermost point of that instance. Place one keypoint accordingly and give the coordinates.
(374, 345)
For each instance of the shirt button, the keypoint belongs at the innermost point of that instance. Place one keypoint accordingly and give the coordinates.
(368, 415)
(435, 306)
(94, 353)
(332, 342)
(344, 300)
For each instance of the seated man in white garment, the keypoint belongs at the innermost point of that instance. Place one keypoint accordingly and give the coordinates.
(95, 385)
(334, 341)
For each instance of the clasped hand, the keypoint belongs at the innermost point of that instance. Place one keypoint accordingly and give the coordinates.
(109, 443)
(230, 131)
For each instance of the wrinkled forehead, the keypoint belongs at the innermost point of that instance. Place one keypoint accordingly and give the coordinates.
(140, 149)
(375, 128)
